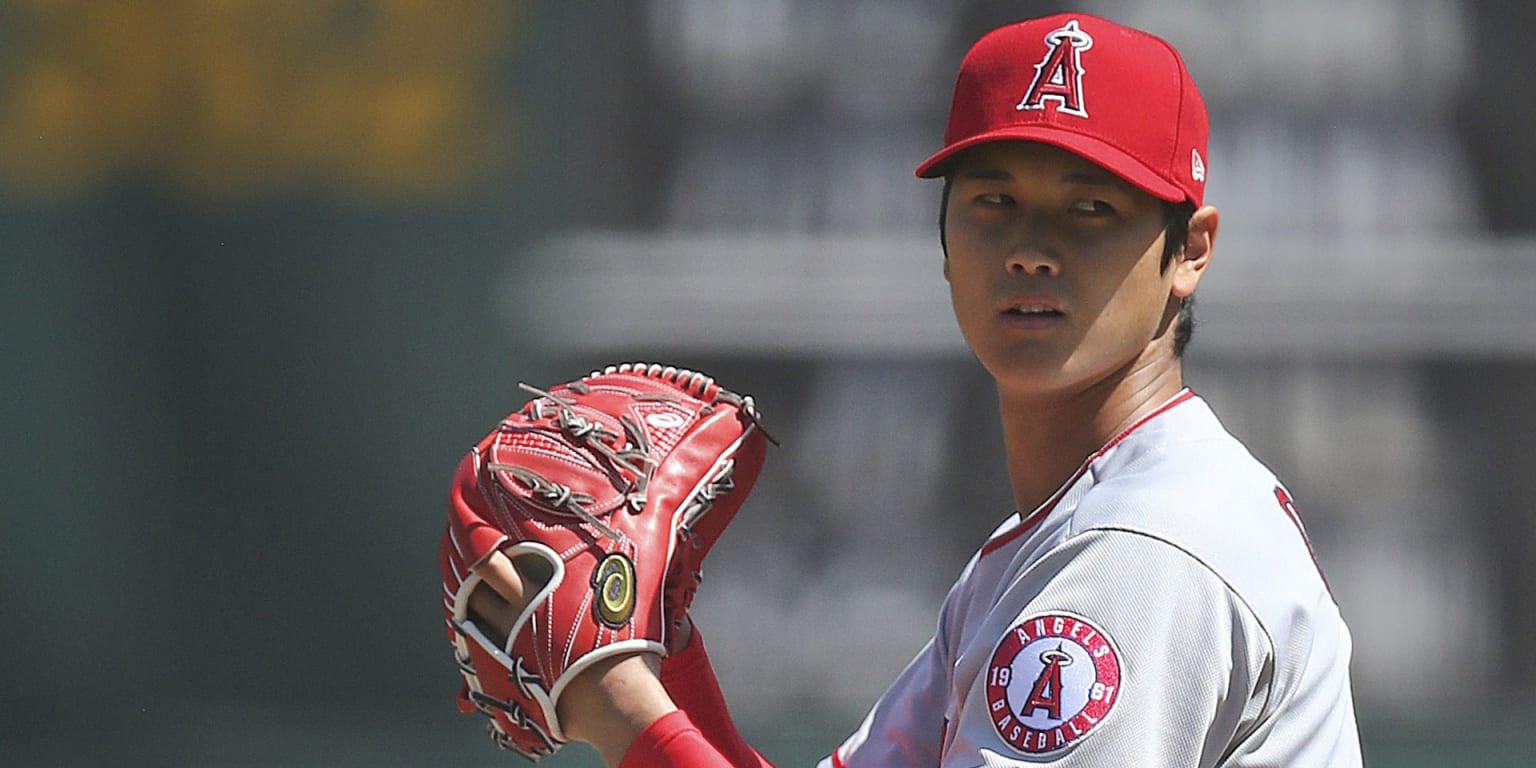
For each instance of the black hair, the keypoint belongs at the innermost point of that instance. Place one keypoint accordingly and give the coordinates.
(1176, 218)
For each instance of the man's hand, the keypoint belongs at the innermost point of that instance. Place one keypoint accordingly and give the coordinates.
(606, 705)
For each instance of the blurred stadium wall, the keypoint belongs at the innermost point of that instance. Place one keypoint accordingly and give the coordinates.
(270, 267)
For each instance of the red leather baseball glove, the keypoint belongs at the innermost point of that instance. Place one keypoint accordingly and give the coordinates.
(607, 492)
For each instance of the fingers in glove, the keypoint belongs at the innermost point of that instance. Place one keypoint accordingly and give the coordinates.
(606, 705)
(500, 596)
(499, 572)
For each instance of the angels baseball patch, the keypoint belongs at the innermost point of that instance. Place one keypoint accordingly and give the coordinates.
(1052, 679)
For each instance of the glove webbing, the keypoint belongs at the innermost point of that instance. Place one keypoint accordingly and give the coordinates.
(694, 381)
(557, 496)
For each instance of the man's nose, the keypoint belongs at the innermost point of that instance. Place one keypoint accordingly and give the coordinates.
(1032, 250)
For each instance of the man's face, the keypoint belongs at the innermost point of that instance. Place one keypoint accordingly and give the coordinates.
(1055, 267)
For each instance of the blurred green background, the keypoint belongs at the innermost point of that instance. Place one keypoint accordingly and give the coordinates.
(270, 267)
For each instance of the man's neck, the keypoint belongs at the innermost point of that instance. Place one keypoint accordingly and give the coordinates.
(1047, 436)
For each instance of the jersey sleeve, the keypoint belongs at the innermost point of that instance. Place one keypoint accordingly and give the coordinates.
(906, 727)
(701, 734)
(1116, 648)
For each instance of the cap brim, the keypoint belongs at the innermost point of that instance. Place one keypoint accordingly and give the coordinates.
(1099, 152)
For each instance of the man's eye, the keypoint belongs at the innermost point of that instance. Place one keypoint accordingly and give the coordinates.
(1096, 207)
(994, 198)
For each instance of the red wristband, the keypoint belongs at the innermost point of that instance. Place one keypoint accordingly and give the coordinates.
(671, 742)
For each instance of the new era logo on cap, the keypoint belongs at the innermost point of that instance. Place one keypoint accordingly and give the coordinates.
(1118, 96)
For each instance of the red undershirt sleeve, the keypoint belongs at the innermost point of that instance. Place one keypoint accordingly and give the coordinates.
(701, 734)
(672, 742)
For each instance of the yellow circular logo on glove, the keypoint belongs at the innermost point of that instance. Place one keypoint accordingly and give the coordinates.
(614, 582)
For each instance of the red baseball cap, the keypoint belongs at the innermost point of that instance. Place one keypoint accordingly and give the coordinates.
(1117, 96)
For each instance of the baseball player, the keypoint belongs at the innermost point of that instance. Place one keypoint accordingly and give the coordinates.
(1154, 600)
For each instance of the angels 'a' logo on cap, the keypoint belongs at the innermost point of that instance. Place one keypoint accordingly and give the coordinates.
(1052, 679)
(1059, 75)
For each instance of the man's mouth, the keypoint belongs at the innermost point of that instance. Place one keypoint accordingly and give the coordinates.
(1032, 310)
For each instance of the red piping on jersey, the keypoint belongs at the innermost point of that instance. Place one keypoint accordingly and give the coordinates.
(837, 758)
(1289, 505)
(1035, 517)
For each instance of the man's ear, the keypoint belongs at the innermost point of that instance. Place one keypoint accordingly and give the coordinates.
(1198, 248)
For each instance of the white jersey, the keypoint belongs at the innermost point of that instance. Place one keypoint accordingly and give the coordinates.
(1162, 609)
